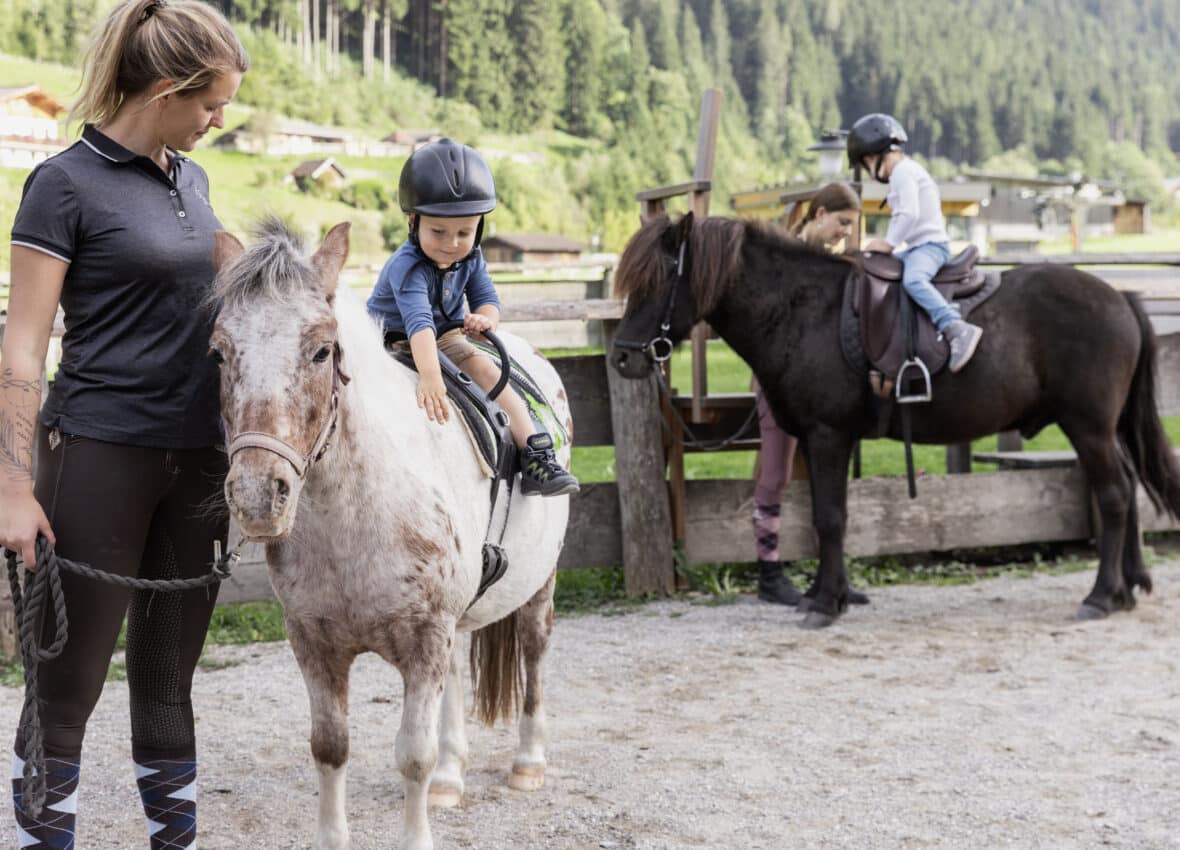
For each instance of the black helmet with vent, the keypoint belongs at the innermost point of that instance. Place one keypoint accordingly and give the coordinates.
(874, 133)
(448, 180)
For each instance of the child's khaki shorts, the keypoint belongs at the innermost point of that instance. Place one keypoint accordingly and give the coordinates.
(453, 344)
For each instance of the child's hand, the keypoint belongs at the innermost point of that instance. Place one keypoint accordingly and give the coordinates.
(432, 397)
(879, 246)
(476, 323)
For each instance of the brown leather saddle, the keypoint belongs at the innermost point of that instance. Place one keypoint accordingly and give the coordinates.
(877, 305)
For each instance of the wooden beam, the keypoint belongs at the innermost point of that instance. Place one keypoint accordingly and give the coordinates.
(589, 309)
(699, 202)
(645, 517)
(662, 193)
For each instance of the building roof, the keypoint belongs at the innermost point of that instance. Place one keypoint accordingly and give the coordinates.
(540, 243)
(36, 96)
(271, 125)
(313, 168)
(410, 136)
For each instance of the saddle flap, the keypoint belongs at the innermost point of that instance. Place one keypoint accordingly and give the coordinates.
(485, 422)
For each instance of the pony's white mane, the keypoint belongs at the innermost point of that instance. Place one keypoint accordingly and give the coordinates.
(368, 363)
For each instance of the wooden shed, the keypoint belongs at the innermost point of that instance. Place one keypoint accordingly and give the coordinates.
(530, 247)
(325, 173)
(1132, 217)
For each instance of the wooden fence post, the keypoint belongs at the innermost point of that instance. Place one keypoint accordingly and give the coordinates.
(645, 516)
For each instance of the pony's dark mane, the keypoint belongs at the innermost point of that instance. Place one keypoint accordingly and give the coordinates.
(275, 267)
(715, 256)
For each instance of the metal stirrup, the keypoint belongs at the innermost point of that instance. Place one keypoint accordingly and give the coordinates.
(912, 398)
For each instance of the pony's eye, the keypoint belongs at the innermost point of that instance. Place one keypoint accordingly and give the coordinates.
(217, 356)
(323, 354)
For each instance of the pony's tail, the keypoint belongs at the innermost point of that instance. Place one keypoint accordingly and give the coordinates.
(1140, 428)
(497, 671)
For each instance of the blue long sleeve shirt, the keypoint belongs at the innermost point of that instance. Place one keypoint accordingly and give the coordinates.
(412, 293)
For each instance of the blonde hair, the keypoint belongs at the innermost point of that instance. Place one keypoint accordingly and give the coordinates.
(186, 42)
(834, 197)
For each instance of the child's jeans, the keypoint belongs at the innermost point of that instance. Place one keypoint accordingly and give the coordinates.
(922, 263)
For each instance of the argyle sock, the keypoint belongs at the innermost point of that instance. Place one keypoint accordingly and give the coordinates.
(767, 522)
(168, 788)
(54, 827)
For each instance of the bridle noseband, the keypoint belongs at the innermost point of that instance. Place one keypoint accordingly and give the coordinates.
(659, 348)
(301, 462)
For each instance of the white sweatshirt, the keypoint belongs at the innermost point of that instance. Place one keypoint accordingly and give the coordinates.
(917, 207)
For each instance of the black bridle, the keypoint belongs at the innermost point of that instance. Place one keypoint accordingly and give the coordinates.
(659, 348)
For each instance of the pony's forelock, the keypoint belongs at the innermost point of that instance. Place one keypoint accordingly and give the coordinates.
(274, 267)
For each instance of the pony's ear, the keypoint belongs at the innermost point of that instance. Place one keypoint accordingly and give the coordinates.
(226, 249)
(329, 259)
(684, 227)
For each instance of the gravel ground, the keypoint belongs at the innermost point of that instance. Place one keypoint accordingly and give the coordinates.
(971, 717)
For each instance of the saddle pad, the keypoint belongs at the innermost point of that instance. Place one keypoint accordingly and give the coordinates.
(539, 406)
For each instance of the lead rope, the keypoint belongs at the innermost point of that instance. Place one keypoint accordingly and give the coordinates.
(689, 438)
(42, 585)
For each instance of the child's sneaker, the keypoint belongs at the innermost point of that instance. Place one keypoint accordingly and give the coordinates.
(540, 472)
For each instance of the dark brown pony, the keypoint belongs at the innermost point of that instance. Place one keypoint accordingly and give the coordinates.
(1060, 346)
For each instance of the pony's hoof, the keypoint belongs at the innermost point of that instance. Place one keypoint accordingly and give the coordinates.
(816, 620)
(332, 839)
(526, 777)
(1090, 612)
(444, 796)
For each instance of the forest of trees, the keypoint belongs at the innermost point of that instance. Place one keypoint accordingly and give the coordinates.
(1056, 81)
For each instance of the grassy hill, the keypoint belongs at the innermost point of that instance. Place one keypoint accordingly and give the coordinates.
(542, 180)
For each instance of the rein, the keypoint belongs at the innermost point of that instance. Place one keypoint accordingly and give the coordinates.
(301, 462)
(659, 348)
(43, 585)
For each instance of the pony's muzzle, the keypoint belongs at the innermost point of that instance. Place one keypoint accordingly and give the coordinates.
(630, 363)
(260, 498)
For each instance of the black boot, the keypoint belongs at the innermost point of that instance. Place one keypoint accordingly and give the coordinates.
(540, 472)
(775, 587)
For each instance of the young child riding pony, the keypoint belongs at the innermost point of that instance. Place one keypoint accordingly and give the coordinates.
(446, 189)
(875, 142)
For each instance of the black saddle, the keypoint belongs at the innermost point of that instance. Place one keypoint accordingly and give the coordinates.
(485, 418)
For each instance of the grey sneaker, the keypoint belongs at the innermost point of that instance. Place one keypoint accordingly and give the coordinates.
(540, 473)
(963, 337)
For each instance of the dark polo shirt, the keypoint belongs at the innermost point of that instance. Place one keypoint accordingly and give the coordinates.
(135, 367)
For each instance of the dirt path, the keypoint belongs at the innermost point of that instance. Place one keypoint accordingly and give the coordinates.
(972, 717)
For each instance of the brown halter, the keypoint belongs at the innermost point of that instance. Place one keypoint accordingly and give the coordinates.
(301, 462)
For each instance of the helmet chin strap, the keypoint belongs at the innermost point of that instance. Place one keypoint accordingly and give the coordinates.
(877, 168)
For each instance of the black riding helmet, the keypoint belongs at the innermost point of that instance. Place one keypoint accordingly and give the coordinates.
(874, 133)
(448, 180)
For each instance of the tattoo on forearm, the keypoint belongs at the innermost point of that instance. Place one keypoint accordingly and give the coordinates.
(19, 402)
